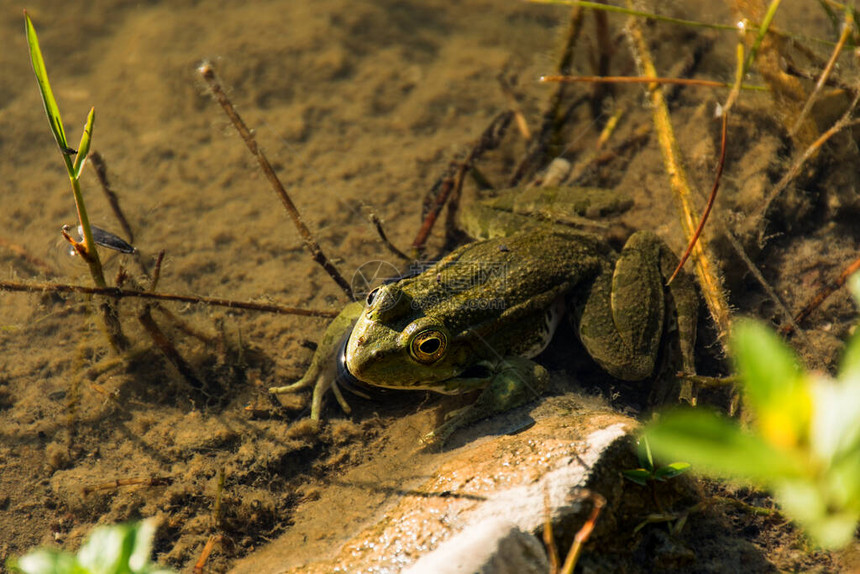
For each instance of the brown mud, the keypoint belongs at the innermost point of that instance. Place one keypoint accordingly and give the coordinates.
(360, 106)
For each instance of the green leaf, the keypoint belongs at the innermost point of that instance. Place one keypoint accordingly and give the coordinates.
(850, 366)
(143, 533)
(766, 365)
(717, 446)
(672, 470)
(835, 427)
(48, 562)
(638, 475)
(643, 453)
(828, 526)
(777, 391)
(51, 108)
(84, 146)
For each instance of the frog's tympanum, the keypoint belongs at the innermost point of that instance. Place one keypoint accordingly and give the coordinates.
(474, 320)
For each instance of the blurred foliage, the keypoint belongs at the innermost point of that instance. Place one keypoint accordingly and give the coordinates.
(117, 549)
(803, 442)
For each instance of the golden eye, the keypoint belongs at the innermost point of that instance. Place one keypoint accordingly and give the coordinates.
(428, 346)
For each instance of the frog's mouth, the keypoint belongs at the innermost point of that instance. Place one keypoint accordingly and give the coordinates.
(346, 380)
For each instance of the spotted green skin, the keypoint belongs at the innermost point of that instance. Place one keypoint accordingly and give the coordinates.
(475, 319)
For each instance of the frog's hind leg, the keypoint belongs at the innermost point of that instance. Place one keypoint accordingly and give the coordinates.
(683, 313)
(621, 319)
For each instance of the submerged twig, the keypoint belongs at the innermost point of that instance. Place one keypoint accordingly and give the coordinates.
(168, 349)
(709, 280)
(846, 32)
(843, 122)
(598, 501)
(208, 74)
(117, 483)
(514, 106)
(450, 183)
(117, 293)
(377, 224)
(553, 117)
(200, 565)
(100, 167)
(711, 199)
(819, 298)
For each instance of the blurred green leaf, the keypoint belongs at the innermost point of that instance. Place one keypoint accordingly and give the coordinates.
(638, 475)
(777, 391)
(835, 431)
(143, 533)
(671, 470)
(47, 562)
(643, 453)
(850, 365)
(805, 502)
(117, 549)
(766, 365)
(51, 108)
(711, 443)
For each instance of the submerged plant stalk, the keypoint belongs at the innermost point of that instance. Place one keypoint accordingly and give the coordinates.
(87, 247)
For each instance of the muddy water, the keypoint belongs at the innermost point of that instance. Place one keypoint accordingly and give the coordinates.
(360, 106)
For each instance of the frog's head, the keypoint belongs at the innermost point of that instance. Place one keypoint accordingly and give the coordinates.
(395, 345)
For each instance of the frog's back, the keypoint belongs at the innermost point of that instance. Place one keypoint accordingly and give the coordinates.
(490, 286)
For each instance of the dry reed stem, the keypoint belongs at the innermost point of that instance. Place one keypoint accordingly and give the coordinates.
(634, 80)
(828, 69)
(709, 280)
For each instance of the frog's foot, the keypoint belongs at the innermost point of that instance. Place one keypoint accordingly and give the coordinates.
(322, 379)
(516, 382)
(322, 372)
(299, 385)
(321, 383)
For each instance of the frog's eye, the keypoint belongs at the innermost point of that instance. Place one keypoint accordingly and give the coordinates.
(371, 296)
(428, 346)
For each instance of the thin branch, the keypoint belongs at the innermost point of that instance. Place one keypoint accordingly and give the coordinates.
(819, 298)
(846, 32)
(207, 72)
(451, 182)
(845, 121)
(117, 293)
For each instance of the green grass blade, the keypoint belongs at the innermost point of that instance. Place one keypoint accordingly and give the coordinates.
(48, 100)
(765, 24)
(84, 146)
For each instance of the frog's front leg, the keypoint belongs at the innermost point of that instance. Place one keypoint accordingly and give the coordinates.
(321, 373)
(621, 321)
(515, 382)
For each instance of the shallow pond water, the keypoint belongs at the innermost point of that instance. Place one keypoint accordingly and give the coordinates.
(360, 107)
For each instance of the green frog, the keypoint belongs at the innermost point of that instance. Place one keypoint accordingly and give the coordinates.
(474, 320)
